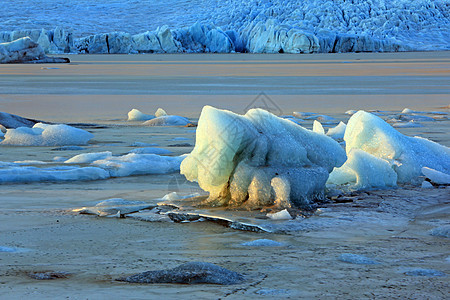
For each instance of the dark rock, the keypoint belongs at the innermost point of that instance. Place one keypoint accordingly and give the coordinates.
(189, 273)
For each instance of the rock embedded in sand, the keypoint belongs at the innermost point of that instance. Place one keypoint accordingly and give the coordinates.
(24, 50)
(188, 273)
(237, 157)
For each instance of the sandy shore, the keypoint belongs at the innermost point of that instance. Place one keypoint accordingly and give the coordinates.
(391, 227)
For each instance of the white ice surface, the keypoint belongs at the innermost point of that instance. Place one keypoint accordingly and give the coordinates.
(137, 115)
(407, 155)
(167, 121)
(436, 176)
(337, 132)
(46, 135)
(151, 150)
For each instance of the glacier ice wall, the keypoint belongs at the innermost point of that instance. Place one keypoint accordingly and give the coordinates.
(257, 26)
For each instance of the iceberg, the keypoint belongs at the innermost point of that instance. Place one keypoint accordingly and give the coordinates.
(137, 115)
(407, 155)
(24, 50)
(46, 135)
(258, 159)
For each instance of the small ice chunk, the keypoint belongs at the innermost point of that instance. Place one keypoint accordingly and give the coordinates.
(137, 115)
(322, 118)
(407, 111)
(55, 174)
(151, 150)
(351, 112)
(425, 272)
(356, 259)
(337, 132)
(114, 207)
(13, 249)
(299, 114)
(318, 128)
(410, 124)
(87, 158)
(140, 144)
(427, 185)
(168, 121)
(173, 196)
(160, 112)
(262, 243)
(281, 215)
(442, 231)
(364, 171)
(436, 176)
(46, 135)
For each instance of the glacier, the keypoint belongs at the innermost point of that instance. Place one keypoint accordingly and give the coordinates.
(256, 26)
(258, 159)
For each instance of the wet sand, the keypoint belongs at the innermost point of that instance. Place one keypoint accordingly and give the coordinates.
(391, 227)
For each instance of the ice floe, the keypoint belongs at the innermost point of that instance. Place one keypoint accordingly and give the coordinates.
(46, 135)
(236, 158)
(137, 115)
(151, 150)
(407, 155)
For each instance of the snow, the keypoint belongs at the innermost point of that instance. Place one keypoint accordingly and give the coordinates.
(168, 121)
(236, 157)
(407, 155)
(436, 176)
(364, 171)
(46, 135)
(137, 115)
(233, 25)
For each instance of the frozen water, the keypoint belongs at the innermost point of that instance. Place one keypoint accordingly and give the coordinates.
(436, 176)
(114, 207)
(425, 272)
(13, 249)
(337, 132)
(151, 150)
(160, 112)
(262, 243)
(427, 185)
(87, 158)
(407, 155)
(356, 259)
(318, 128)
(13, 121)
(139, 164)
(281, 215)
(442, 231)
(26, 174)
(236, 158)
(168, 121)
(364, 171)
(46, 135)
(137, 115)
(410, 124)
(24, 50)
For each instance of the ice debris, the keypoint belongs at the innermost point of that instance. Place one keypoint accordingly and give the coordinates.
(425, 272)
(435, 176)
(151, 150)
(237, 157)
(168, 120)
(115, 207)
(46, 135)
(13, 121)
(188, 273)
(137, 115)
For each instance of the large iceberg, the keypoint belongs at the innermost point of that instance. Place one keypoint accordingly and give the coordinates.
(407, 155)
(46, 135)
(258, 159)
(24, 50)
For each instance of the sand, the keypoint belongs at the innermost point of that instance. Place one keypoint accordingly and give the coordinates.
(391, 227)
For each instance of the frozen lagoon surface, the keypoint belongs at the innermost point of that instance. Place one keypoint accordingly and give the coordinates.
(101, 90)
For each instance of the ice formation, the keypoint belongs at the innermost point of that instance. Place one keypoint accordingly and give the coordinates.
(337, 132)
(151, 150)
(87, 158)
(46, 135)
(290, 26)
(160, 112)
(436, 176)
(137, 115)
(317, 127)
(406, 155)
(364, 171)
(13, 121)
(168, 121)
(24, 50)
(259, 159)
(23, 174)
